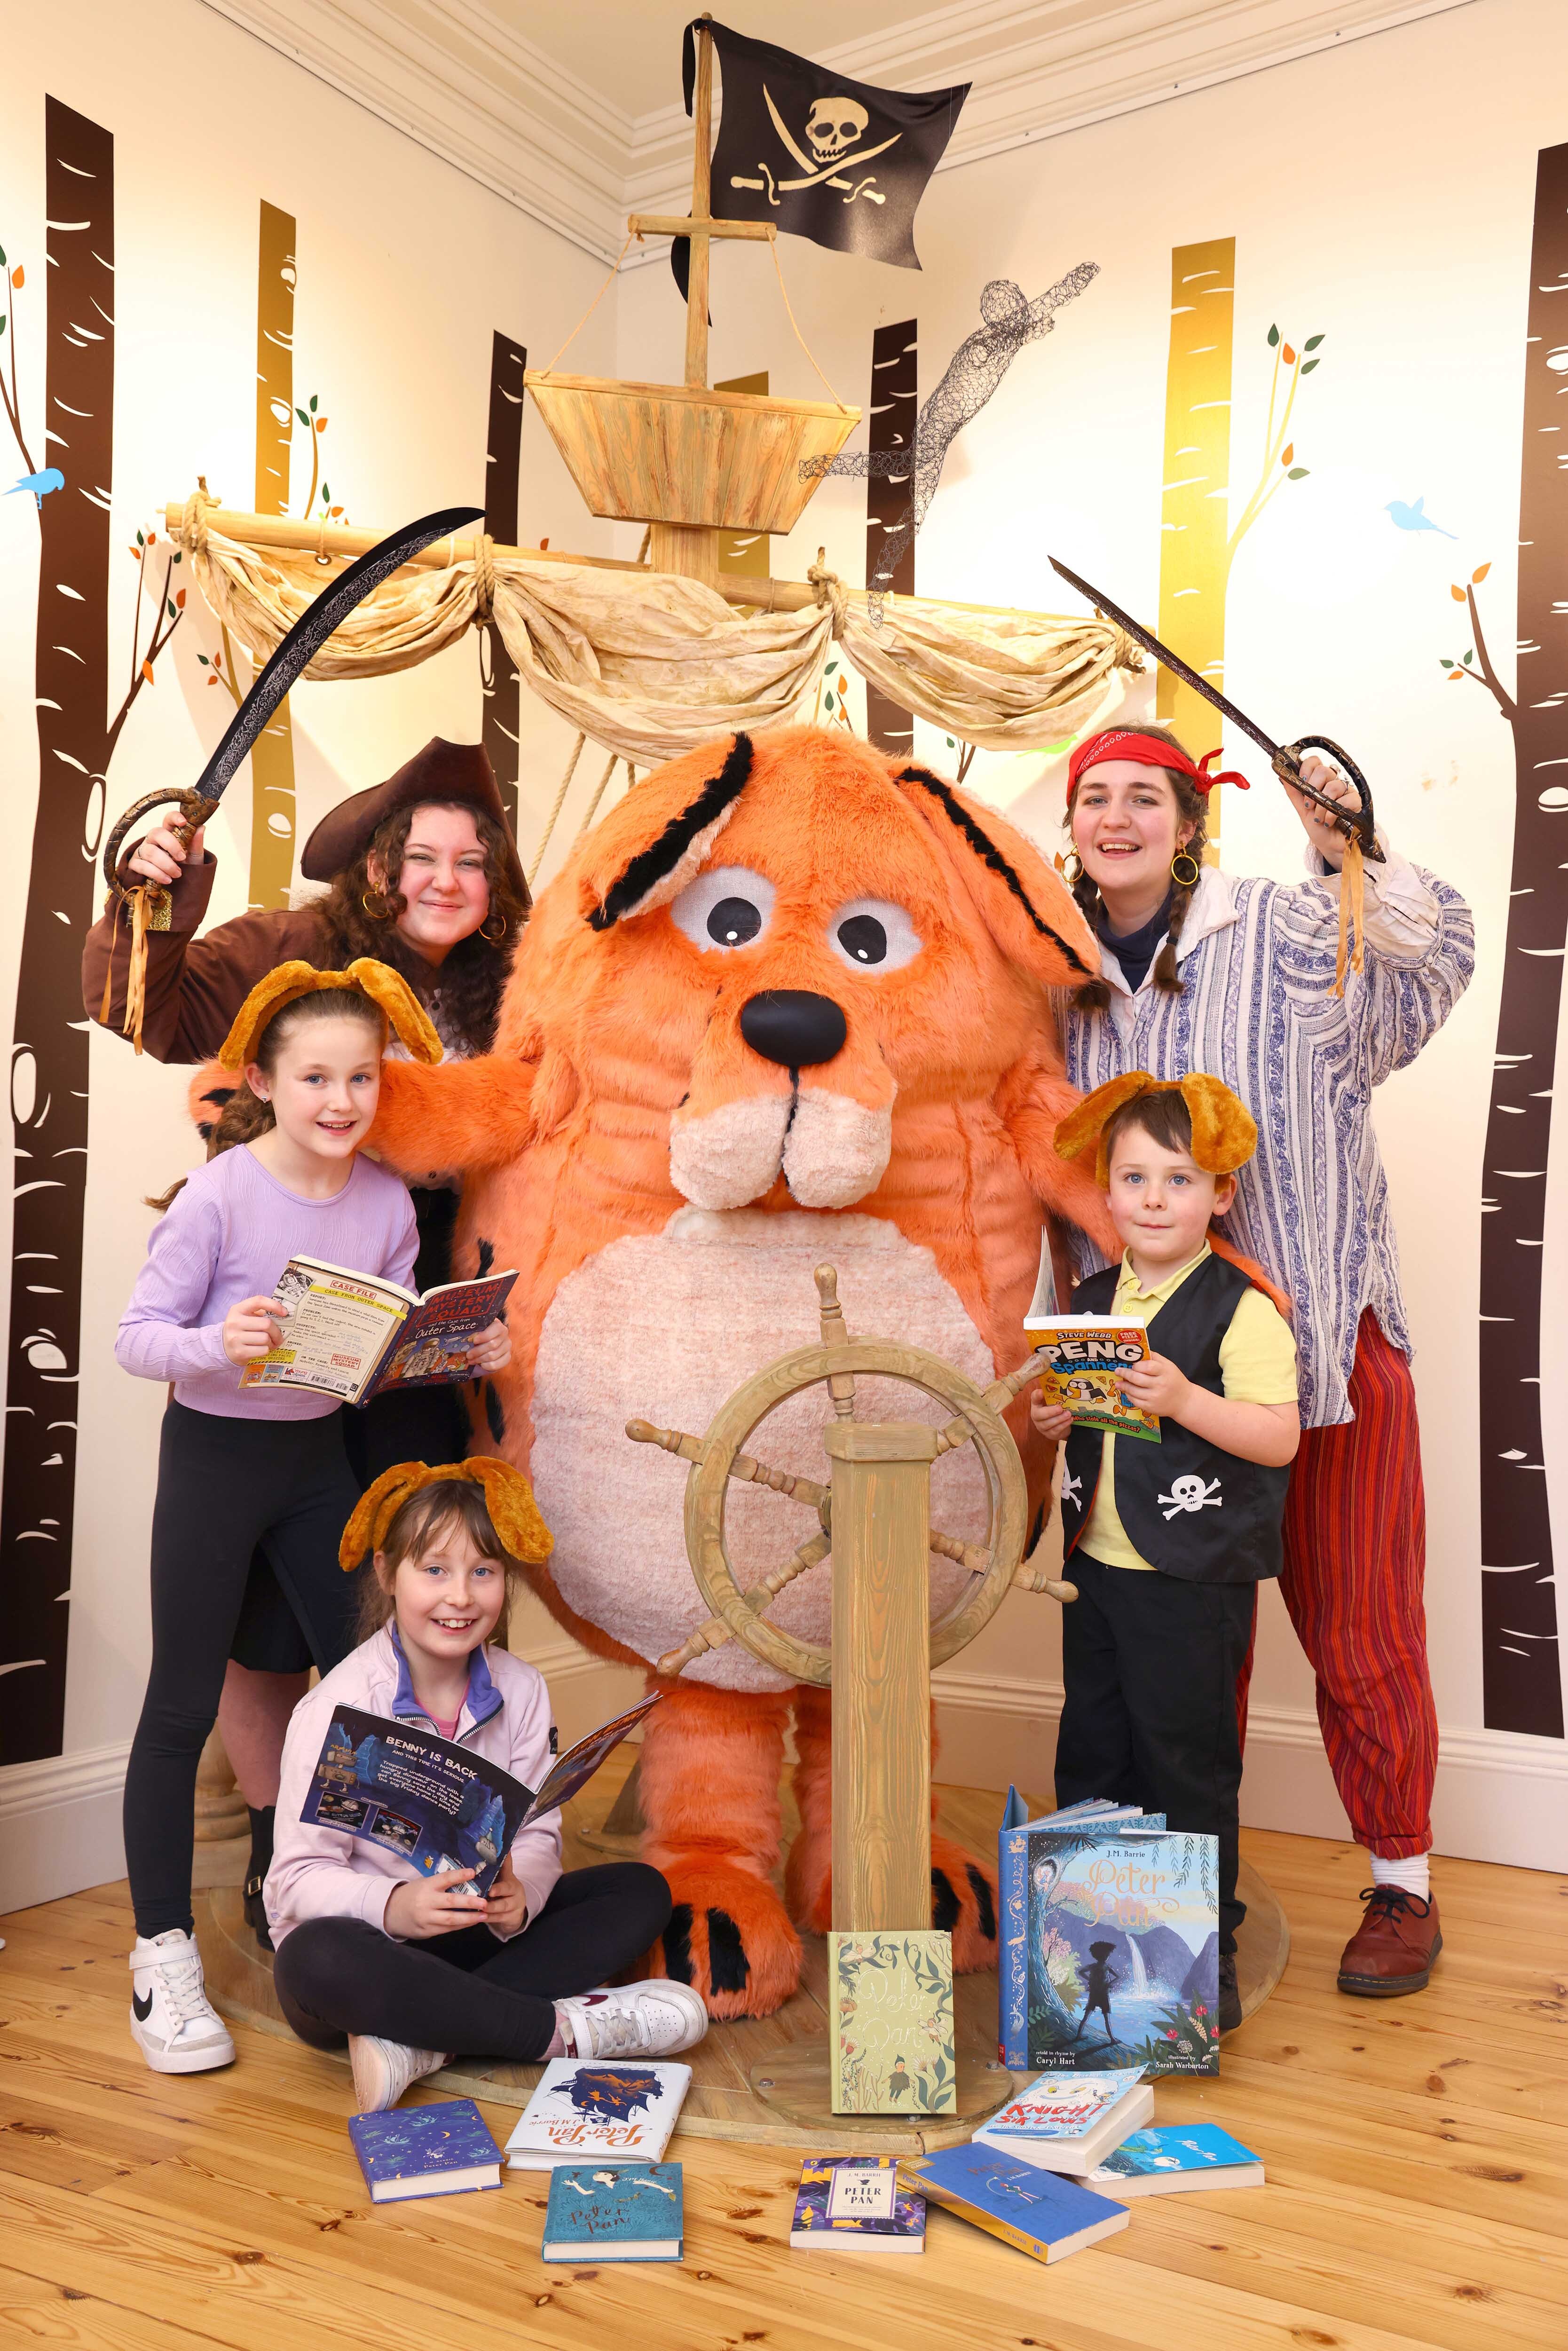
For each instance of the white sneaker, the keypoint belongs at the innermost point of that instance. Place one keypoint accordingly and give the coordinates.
(173, 2023)
(383, 2070)
(645, 2020)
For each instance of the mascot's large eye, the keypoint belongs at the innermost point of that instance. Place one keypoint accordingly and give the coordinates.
(873, 934)
(727, 908)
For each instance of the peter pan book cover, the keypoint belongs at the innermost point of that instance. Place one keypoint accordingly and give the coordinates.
(1123, 1951)
(892, 2022)
(856, 2203)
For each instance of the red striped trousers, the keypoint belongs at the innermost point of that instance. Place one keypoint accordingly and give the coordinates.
(1355, 1560)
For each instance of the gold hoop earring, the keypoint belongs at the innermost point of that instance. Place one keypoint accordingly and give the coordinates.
(1073, 859)
(1184, 881)
(500, 934)
(377, 913)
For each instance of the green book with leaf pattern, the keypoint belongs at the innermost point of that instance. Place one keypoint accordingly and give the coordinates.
(892, 2010)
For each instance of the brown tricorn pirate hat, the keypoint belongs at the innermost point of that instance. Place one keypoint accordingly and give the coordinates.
(442, 771)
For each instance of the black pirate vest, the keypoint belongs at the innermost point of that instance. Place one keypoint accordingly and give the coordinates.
(1189, 1508)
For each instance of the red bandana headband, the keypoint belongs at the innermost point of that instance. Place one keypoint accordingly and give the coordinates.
(1148, 751)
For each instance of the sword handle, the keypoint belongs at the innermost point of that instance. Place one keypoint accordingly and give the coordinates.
(1288, 766)
(193, 811)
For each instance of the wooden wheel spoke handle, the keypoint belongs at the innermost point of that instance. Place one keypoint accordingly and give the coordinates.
(720, 1457)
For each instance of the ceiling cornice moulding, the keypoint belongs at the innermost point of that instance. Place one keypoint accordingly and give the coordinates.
(473, 91)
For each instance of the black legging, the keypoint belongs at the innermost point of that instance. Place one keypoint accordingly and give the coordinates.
(226, 1488)
(465, 1992)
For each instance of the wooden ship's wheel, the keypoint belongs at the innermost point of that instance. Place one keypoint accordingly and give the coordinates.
(874, 1520)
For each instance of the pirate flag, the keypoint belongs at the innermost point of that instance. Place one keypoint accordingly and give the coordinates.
(818, 155)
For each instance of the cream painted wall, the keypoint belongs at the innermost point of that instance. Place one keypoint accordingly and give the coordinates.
(1382, 196)
(405, 268)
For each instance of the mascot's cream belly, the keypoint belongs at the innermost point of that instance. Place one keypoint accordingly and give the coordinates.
(664, 1327)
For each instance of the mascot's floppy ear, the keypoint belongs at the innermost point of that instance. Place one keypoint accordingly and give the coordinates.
(1023, 903)
(648, 847)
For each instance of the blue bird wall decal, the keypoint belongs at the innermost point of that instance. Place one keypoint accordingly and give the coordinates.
(1415, 518)
(51, 479)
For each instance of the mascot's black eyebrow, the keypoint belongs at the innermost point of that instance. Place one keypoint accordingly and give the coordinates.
(649, 865)
(989, 854)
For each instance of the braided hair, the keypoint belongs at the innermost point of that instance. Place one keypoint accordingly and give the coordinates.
(1192, 807)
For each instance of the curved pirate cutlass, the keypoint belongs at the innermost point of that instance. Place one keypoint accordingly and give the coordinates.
(1358, 827)
(150, 905)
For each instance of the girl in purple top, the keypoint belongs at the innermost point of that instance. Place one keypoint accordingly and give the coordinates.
(243, 1470)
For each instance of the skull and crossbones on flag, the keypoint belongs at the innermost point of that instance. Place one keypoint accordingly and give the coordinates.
(836, 161)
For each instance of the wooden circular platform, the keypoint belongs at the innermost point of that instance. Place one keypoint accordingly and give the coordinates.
(727, 2099)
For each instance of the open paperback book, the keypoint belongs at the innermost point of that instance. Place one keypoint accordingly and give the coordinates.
(433, 1800)
(355, 1336)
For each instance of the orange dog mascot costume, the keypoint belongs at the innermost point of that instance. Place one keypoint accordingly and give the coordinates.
(788, 1001)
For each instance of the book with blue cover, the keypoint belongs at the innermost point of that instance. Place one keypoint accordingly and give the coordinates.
(1012, 1890)
(1197, 2155)
(1123, 1949)
(856, 2204)
(1044, 2216)
(443, 2149)
(631, 2213)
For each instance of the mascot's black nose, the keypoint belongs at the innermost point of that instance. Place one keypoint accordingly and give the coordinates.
(792, 1027)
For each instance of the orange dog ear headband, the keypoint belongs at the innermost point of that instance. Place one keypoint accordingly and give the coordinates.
(1223, 1134)
(508, 1498)
(386, 989)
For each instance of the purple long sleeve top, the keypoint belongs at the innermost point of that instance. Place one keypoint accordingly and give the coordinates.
(228, 1235)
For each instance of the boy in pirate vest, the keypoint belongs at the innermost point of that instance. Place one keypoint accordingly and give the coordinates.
(1169, 1541)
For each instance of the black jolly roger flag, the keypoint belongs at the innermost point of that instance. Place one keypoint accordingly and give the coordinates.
(818, 155)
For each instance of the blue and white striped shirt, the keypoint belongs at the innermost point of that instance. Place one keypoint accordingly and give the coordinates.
(1258, 1009)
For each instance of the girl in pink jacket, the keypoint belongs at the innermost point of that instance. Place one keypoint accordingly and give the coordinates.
(411, 1970)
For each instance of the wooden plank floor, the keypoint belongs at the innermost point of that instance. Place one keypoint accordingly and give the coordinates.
(1417, 2153)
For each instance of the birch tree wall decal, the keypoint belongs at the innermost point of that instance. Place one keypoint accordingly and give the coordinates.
(892, 409)
(49, 1055)
(503, 458)
(272, 807)
(1193, 525)
(1520, 1671)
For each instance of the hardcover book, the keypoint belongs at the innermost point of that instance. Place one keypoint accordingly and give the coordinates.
(1069, 2122)
(1123, 1951)
(1156, 2162)
(891, 2023)
(434, 1802)
(1043, 2216)
(354, 1335)
(856, 2204)
(435, 2150)
(604, 2114)
(1082, 1357)
(598, 2212)
(1012, 1886)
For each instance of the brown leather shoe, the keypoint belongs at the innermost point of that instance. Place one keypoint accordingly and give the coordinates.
(1392, 1950)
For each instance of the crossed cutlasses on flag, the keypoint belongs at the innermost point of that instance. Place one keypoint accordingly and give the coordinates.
(832, 129)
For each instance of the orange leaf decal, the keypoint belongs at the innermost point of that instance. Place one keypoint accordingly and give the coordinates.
(1455, 675)
(1290, 356)
(1477, 576)
(335, 510)
(211, 681)
(180, 601)
(320, 425)
(1457, 594)
(18, 276)
(150, 536)
(147, 672)
(1287, 454)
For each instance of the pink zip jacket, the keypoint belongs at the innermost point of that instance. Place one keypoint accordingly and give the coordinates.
(323, 1873)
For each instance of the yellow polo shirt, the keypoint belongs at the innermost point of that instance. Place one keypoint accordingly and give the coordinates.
(1257, 1362)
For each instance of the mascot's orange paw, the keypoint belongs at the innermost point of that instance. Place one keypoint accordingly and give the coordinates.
(964, 1900)
(728, 1936)
(809, 1881)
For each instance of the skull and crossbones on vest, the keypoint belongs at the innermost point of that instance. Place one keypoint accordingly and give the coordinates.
(1191, 1493)
(833, 137)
